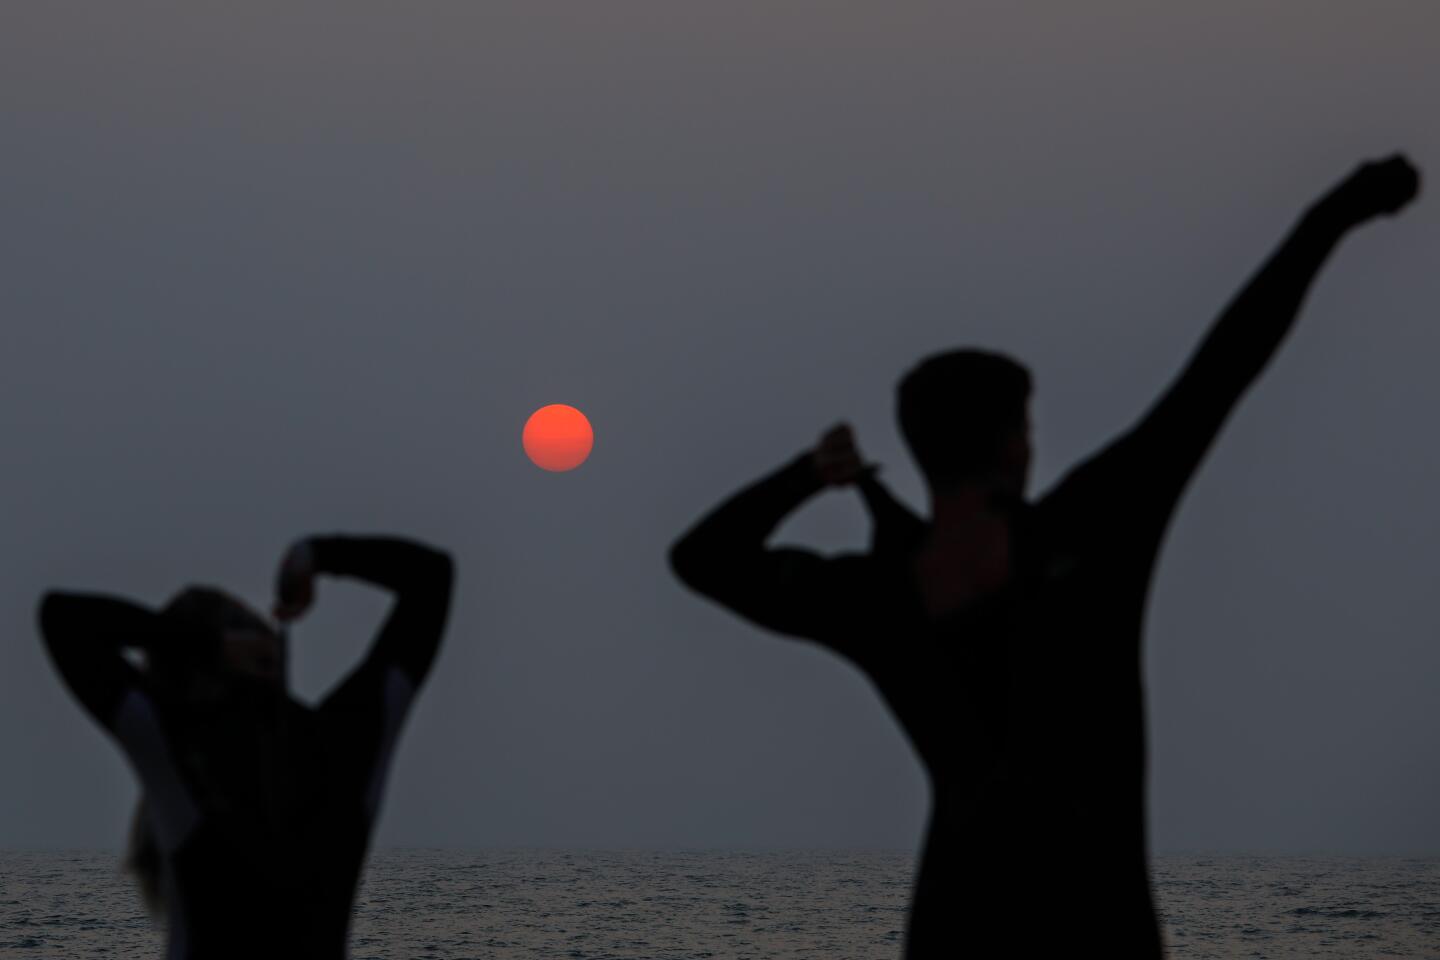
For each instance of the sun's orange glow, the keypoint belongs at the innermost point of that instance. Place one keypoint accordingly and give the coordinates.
(558, 437)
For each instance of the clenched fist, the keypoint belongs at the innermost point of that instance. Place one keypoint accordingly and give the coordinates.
(1377, 188)
(295, 582)
(837, 459)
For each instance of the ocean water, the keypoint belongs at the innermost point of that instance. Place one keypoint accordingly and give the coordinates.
(449, 905)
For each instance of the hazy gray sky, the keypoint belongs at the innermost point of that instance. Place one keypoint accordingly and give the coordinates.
(272, 269)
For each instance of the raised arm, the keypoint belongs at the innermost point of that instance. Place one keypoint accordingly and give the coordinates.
(725, 555)
(86, 634)
(1146, 469)
(420, 577)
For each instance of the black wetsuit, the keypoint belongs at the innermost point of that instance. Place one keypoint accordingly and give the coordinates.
(1025, 705)
(262, 807)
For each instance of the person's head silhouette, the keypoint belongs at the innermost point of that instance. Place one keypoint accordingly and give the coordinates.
(227, 648)
(965, 416)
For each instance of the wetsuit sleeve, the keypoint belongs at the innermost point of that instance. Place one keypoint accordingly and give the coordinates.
(1132, 486)
(725, 557)
(421, 579)
(85, 635)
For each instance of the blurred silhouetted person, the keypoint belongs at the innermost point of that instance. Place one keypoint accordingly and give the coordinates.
(256, 810)
(1004, 634)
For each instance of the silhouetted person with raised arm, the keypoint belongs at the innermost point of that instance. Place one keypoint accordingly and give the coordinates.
(256, 810)
(1005, 634)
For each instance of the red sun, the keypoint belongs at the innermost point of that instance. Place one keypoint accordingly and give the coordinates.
(557, 437)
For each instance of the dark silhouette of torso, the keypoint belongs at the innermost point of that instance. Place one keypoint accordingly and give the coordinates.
(284, 804)
(1024, 703)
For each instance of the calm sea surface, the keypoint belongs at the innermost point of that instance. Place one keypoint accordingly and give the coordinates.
(448, 905)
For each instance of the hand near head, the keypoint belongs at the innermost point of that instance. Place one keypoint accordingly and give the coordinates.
(837, 459)
(295, 582)
(1377, 188)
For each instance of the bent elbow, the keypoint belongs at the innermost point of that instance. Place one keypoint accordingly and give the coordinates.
(48, 613)
(50, 618)
(441, 572)
(443, 563)
(682, 560)
(687, 562)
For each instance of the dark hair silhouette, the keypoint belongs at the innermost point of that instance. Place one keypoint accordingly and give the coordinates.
(143, 860)
(200, 615)
(958, 409)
